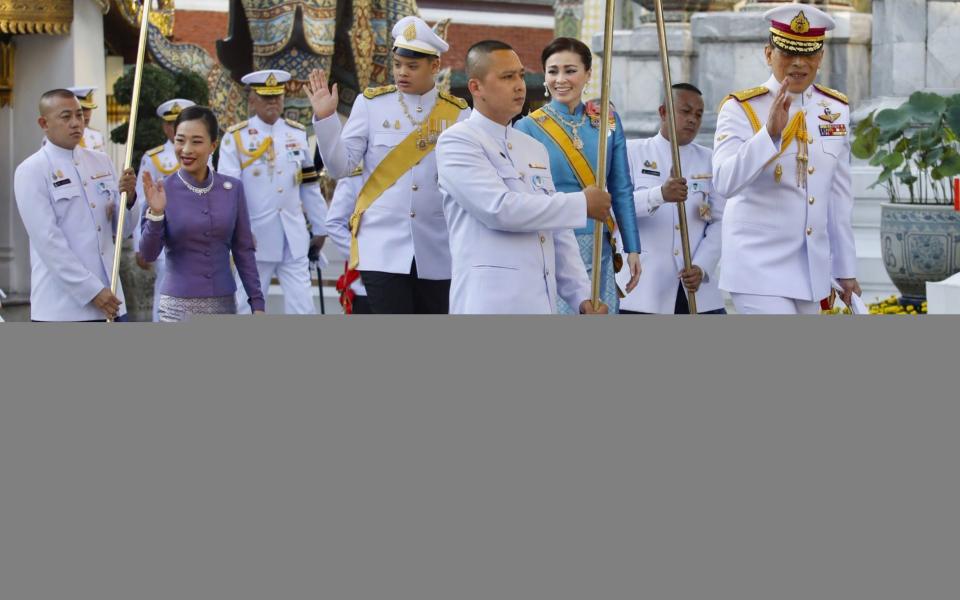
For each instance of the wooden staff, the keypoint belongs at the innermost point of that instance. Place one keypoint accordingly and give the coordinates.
(675, 147)
(131, 133)
(602, 152)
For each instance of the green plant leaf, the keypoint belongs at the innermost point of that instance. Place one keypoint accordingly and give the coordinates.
(878, 158)
(953, 119)
(865, 144)
(892, 161)
(926, 107)
(892, 119)
(950, 167)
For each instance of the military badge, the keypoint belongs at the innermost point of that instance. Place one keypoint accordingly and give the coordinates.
(833, 130)
(828, 116)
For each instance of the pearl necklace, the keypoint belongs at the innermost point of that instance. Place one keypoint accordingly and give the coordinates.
(196, 190)
(573, 125)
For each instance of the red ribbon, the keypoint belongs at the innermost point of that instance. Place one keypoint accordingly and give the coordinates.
(343, 287)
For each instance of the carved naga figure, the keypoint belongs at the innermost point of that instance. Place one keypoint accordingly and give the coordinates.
(350, 40)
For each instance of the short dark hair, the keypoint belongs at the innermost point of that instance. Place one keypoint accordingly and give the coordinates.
(49, 95)
(476, 55)
(200, 113)
(565, 44)
(687, 87)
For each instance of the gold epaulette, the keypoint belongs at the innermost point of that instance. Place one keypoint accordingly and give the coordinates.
(744, 95)
(373, 92)
(357, 172)
(237, 127)
(296, 124)
(455, 100)
(832, 93)
(154, 151)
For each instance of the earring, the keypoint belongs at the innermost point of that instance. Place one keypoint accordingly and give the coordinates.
(546, 91)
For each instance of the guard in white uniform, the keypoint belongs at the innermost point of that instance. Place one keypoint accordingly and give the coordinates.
(664, 284)
(68, 199)
(92, 139)
(353, 295)
(271, 156)
(511, 232)
(400, 242)
(782, 159)
(160, 162)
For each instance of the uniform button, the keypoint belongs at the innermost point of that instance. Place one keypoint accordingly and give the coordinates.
(677, 227)
(546, 272)
(208, 276)
(812, 200)
(543, 239)
(205, 211)
(206, 253)
(206, 234)
(415, 187)
(92, 205)
(809, 230)
(98, 228)
(509, 146)
(412, 214)
(280, 190)
(676, 253)
(811, 170)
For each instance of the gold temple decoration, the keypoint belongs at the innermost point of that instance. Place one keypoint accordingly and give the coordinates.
(6, 72)
(161, 16)
(36, 16)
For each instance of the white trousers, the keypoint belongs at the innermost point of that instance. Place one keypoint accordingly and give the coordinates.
(750, 304)
(294, 277)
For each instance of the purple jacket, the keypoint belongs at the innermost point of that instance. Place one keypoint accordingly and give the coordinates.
(198, 234)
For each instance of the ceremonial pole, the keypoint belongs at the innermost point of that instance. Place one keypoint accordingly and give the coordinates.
(131, 133)
(674, 146)
(602, 152)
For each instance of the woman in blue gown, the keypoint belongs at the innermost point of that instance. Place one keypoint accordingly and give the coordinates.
(570, 130)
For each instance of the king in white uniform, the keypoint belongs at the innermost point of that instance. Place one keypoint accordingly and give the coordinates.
(400, 242)
(271, 156)
(160, 162)
(782, 158)
(661, 290)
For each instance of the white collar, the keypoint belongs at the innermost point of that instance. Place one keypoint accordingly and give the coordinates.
(58, 152)
(491, 127)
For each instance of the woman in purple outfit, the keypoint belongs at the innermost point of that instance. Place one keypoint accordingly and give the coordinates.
(199, 217)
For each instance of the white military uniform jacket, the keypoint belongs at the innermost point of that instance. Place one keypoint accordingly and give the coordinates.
(62, 196)
(659, 226)
(406, 222)
(93, 140)
(781, 238)
(338, 219)
(511, 232)
(161, 162)
(278, 190)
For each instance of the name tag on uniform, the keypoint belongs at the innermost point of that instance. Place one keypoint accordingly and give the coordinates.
(99, 176)
(61, 183)
(650, 172)
(833, 130)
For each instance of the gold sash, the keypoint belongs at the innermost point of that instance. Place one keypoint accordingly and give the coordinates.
(577, 160)
(404, 156)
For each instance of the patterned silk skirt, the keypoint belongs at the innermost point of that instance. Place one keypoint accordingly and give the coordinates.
(608, 282)
(173, 309)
